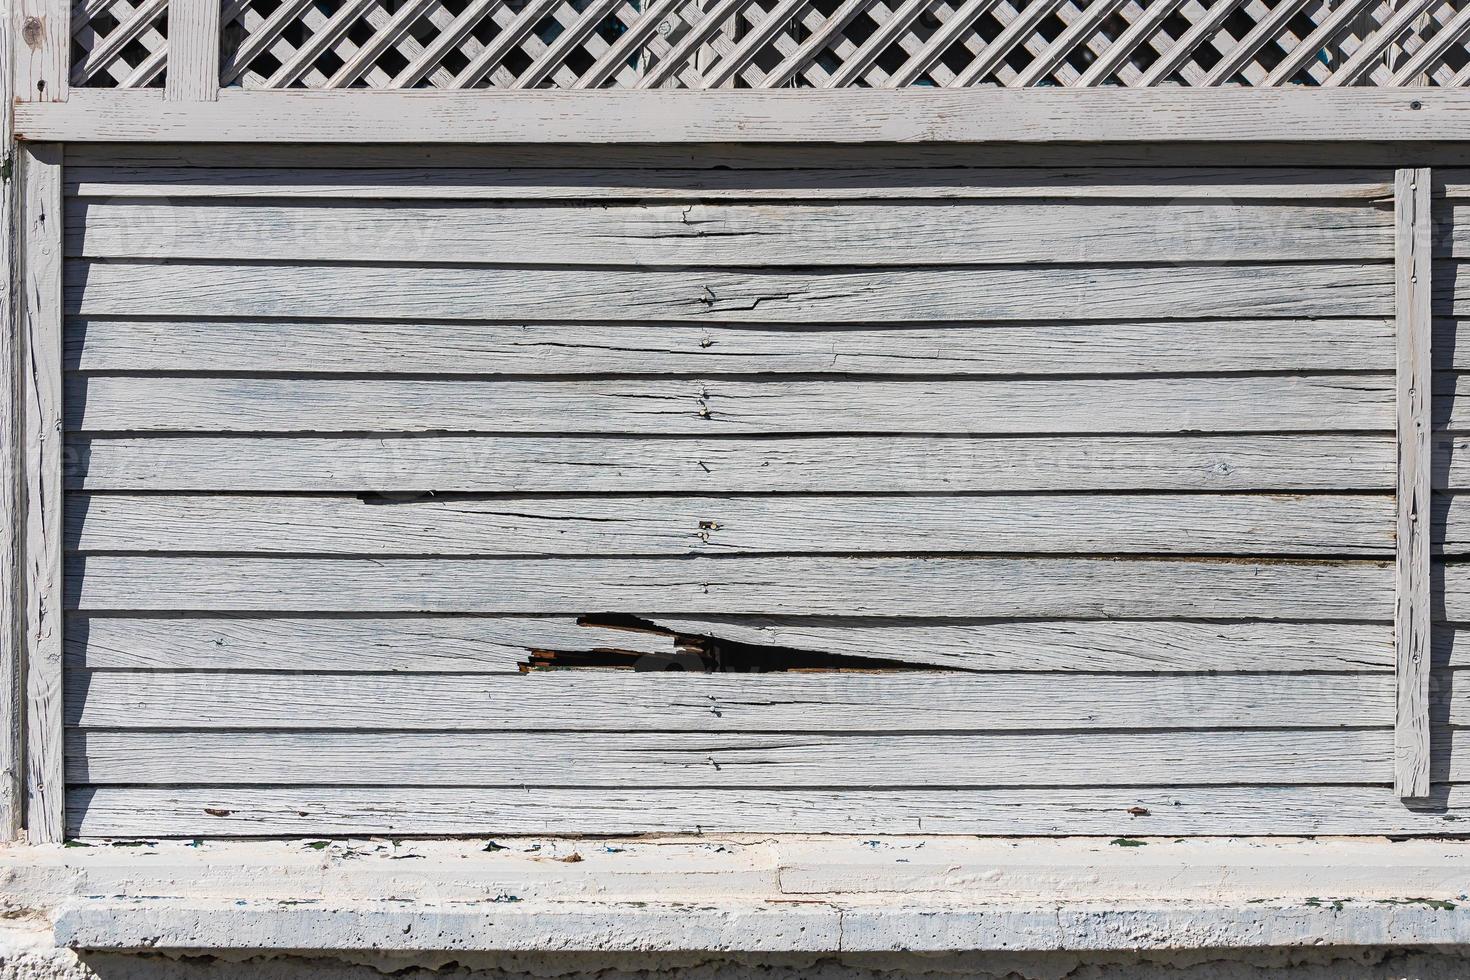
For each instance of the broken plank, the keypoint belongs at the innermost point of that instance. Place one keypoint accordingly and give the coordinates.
(1021, 587)
(712, 234)
(709, 406)
(827, 464)
(487, 644)
(642, 180)
(420, 643)
(767, 761)
(1277, 524)
(458, 348)
(144, 288)
(1096, 646)
(192, 811)
(594, 699)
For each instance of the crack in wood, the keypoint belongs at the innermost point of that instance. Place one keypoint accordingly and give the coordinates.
(709, 654)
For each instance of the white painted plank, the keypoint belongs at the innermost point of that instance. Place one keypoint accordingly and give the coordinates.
(1020, 587)
(690, 759)
(40, 44)
(131, 812)
(951, 233)
(479, 644)
(1413, 217)
(753, 296)
(40, 325)
(613, 701)
(457, 348)
(1051, 115)
(596, 525)
(193, 51)
(896, 464)
(489, 644)
(714, 405)
(12, 660)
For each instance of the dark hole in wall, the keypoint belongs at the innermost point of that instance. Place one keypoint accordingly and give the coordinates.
(703, 654)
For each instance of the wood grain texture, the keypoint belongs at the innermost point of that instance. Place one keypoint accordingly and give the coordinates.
(193, 51)
(612, 701)
(1329, 524)
(1033, 116)
(1413, 217)
(713, 234)
(12, 632)
(132, 812)
(424, 644)
(459, 348)
(497, 644)
(145, 288)
(691, 759)
(1043, 587)
(826, 464)
(623, 179)
(40, 313)
(713, 405)
(40, 35)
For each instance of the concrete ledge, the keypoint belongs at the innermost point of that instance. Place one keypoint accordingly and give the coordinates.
(138, 924)
(744, 894)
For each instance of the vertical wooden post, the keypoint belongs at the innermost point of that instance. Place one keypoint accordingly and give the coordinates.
(41, 46)
(193, 51)
(12, 711)
(40, 319)
(1411, 614)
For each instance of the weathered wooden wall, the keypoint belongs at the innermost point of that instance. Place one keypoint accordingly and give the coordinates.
(1104, 457)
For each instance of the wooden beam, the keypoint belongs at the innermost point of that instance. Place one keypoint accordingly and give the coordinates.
(12, 710)
(193, 51)
(40, 311)
(40, 38)
(1042, 115)
(1411, 617)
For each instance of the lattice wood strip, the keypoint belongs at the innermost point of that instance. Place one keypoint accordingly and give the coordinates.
(800, 43)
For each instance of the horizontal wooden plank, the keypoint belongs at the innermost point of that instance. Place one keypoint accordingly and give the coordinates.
(959, 115)
(1451, 535)
(826, 464)
(713, 234)
(126, 811)
(1329, 524)
(1451, 403)
(1450, 293)
(1451, 594)
(458, 348)
(991, 587)
(489, 644)
(1298, 757)
(613, 701)
(126, 288)
(1451, 648)
(740, 180)
(1449, 352)
(714, 405)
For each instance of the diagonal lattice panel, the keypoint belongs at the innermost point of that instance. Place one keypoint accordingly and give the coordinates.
(468, 44)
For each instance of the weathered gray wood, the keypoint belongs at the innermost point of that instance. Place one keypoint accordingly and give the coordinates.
(12, 689)
(690, 759)
(827, 464)
(40, 313)
(754, 296)
(480, 644)
(1452, 592)
(457, 348)
(489, 644)
(596, 525)
(950, 233)
(40, 43)
(193, 51)
(613, 701)
(1413, 217)
(1062, 115)
(708, 406)
(1044, 587)
(342, 811)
